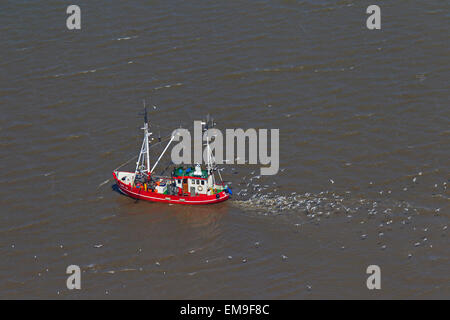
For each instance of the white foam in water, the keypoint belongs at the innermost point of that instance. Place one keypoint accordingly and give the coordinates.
(316, 205)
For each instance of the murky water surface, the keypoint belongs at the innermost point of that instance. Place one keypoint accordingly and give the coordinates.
(364, 148)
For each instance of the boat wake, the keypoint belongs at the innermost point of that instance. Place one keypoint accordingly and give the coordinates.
(327, 204)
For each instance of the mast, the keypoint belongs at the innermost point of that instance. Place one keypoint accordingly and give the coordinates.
(143, 163)
(146, 135)
(210, 161)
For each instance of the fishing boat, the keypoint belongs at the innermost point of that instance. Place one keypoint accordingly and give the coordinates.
(192, 185)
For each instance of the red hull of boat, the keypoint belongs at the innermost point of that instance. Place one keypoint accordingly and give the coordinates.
(141, 194)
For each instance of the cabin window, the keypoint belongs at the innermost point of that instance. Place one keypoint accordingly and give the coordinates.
(179, 181)
(203, 182)
(197, 181)
(184, 180)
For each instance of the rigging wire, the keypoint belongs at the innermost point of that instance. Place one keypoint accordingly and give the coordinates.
(160, 141)
(152, 146)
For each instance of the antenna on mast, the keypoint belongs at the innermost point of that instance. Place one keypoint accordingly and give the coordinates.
(207, 122)
(145, 113)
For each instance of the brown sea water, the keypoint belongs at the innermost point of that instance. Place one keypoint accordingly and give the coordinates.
(364, 148)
